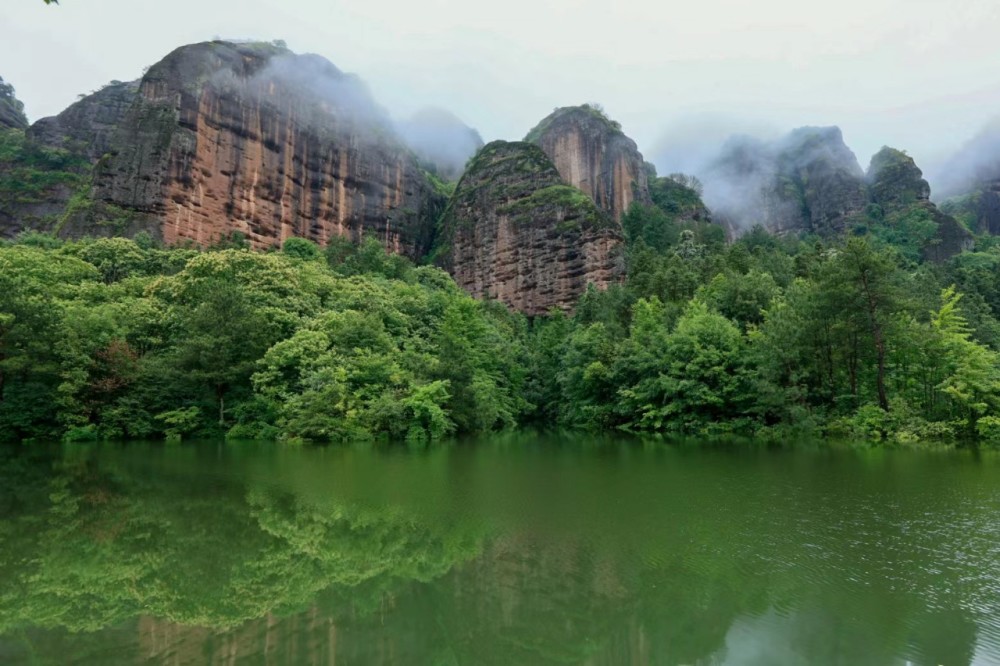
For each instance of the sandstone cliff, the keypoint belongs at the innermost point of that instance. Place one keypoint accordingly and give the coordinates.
(11, 108)
(515, 232)
(442, 142)
(226, 137)
(591, 153)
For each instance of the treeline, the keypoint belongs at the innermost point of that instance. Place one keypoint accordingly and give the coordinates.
(115, 338)
(781, 336)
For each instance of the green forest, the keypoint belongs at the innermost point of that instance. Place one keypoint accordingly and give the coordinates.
(766, 336)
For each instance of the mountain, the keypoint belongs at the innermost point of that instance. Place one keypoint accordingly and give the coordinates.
(808, 181)
(970, 182)
(441, 141)
(811, 182)
(901, 204)
(593, 154)
(224, 137)
(516, 232)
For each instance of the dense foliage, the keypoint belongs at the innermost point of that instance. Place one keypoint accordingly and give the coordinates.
(848, 337)
(115, 338)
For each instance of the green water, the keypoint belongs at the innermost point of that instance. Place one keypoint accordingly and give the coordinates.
(514, 550)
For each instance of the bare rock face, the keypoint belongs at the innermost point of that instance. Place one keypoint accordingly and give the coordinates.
(442, 142)
(11, 109)
(591, 153)
(226, 137)
(87, 127)
(808, 181)
(515, 232)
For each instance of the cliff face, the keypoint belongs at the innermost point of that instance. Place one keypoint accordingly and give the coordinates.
(808, 181)
(898, 190)
(442, 142)
(11, 108)
(87, 127)
(894, 179)
(969, 184)
(219, 138)
(591, 153)
(515, 232)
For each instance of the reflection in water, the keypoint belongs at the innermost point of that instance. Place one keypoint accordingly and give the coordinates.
(519, 549)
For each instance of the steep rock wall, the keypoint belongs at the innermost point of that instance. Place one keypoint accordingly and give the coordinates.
(810, 181)
(515, 232)
(897, 188)
(222, 137)
(591, 153)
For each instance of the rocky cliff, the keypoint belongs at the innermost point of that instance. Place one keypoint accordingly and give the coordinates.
(808, 181)
(901, 201)
(442, 142)
(968, 185)
(88, 126)
(593, 154)
(515, 232)
(895, 180)
(226, 137)
(11, 108)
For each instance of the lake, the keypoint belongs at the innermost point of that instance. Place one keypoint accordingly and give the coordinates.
(515, 549)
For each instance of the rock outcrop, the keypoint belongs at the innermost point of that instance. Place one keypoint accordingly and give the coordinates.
(899, 193)
(224, 137)
(810, 181)
(11, 109)
(87, 127)
(593, 154)
(680, 197)
(894, 179)
(442, 142)
(516, 232)
(969, 184)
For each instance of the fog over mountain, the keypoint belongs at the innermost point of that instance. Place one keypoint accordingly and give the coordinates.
(919, 75)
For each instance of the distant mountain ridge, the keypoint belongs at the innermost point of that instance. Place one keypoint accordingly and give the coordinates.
(248, 138)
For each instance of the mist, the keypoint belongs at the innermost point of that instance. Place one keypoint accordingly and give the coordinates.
(974, 163)
(917, 75)
(440, 140)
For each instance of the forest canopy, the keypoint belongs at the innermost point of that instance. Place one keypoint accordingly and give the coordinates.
(116, 338)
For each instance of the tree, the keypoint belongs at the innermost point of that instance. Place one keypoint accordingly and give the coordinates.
(700, 379)
(860, 283)
(223, 336)
(972, 380)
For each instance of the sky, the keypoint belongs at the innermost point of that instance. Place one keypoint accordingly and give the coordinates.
(919, 75)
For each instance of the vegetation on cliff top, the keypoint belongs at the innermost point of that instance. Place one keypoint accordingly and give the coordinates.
(589, 111)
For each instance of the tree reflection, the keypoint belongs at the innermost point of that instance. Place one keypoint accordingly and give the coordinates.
(451, 555)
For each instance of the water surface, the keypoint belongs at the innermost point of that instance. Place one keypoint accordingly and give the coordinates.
(519, 549)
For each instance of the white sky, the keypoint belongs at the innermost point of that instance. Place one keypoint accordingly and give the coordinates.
(921, 75)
